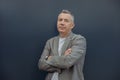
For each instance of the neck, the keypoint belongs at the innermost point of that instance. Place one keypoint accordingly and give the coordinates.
(64, 35)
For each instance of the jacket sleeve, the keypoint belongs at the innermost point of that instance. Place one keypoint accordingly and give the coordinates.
(42, 64)
(78, 50)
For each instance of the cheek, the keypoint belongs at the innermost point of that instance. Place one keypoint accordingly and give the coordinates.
(58, 23)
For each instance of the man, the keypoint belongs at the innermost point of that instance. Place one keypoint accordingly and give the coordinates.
(63, 55)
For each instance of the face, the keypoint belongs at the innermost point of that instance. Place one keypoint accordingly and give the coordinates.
(64, 23)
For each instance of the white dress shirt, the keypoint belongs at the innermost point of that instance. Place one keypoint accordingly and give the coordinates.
(61, 42)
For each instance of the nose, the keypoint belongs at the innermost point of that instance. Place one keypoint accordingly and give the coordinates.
(62, 22)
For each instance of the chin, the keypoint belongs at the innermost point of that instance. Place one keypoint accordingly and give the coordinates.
(61, 31)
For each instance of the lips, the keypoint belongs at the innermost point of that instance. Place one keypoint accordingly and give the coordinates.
(61, 28)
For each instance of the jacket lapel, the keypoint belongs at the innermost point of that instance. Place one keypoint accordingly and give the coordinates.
(56, 42)
(67, 43)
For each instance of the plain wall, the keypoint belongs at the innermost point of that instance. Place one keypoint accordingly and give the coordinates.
(25, 26)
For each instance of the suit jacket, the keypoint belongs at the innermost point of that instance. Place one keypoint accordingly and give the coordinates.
(70, 67)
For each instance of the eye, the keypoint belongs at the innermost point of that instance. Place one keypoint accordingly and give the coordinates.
(66, 20)
(60, 19)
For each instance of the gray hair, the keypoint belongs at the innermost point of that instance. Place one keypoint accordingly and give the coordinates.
(68, 12)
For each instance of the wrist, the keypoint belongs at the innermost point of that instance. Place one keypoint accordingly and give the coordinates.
(46, 57)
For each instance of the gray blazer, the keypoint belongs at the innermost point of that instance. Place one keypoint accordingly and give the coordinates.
(70, 67)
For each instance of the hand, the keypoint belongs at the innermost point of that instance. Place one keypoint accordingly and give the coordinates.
(68, 51)
(49, 57)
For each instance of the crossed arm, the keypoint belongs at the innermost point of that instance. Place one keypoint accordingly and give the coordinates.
(71, 55)
(42, 64)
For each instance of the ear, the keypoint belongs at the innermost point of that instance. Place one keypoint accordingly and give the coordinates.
(73, 25)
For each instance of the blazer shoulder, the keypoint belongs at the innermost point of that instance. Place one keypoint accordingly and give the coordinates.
(78, 36)
(52, 39)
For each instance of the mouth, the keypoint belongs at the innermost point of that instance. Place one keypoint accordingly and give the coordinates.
(61, 28)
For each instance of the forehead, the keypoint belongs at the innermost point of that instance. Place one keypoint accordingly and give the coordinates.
(64, 16)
